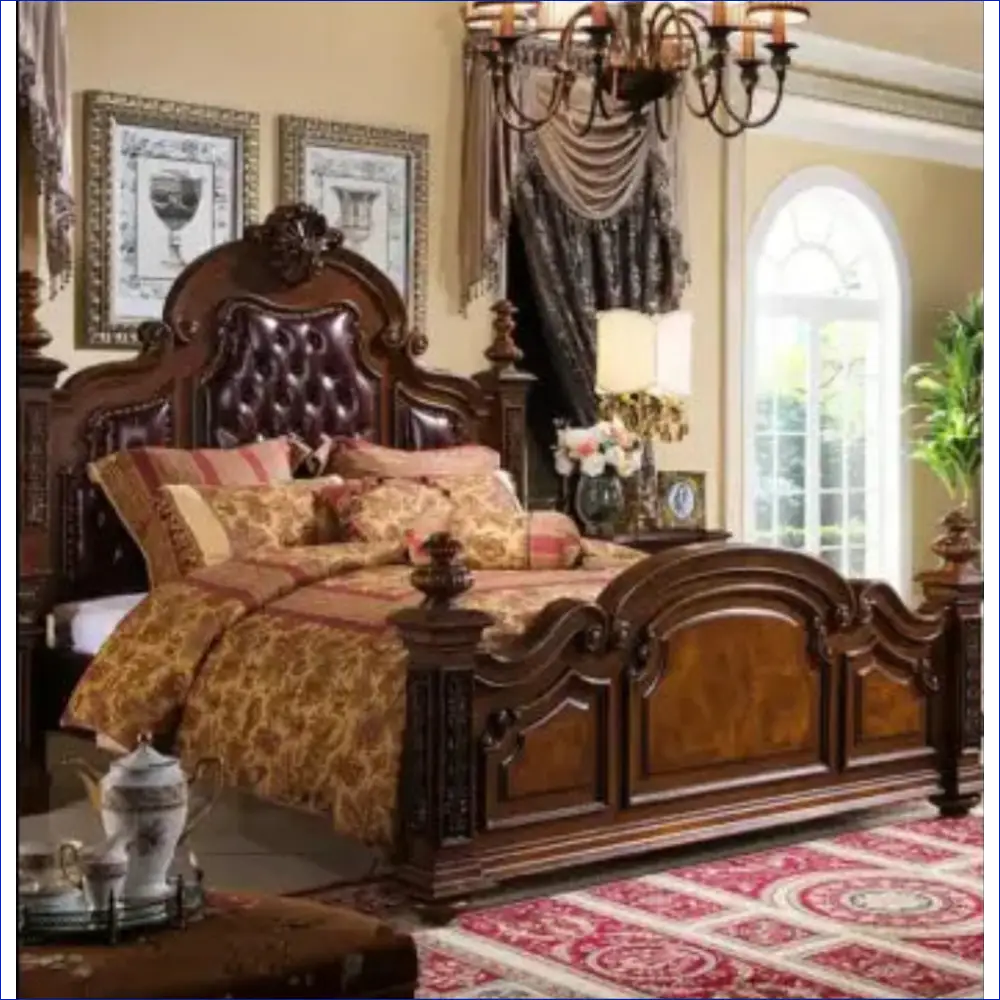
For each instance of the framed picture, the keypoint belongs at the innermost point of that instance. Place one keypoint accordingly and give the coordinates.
(682, 499)
(164, 183)
(371, 184)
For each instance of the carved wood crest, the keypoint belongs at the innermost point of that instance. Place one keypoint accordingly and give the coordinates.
(295, 240)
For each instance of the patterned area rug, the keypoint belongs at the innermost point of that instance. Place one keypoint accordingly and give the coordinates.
(895, 911)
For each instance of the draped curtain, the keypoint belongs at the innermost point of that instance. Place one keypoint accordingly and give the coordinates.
(43, 101)
(596, 212)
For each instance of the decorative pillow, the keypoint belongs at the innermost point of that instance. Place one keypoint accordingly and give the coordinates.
(477, 493)
(131, 478)
(354, 458)
(377, 510)
(505, 539)
(209, 524)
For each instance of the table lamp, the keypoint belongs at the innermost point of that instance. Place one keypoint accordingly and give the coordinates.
(643, 377)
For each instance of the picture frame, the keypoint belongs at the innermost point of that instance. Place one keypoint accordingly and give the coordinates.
(371, 183)
(164, 182)
(682, 500)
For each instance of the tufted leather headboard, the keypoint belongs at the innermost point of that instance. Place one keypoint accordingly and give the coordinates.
(283, 331)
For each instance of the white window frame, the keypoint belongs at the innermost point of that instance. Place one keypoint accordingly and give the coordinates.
(894, 496)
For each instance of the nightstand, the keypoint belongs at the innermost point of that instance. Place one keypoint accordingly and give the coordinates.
(653, 542)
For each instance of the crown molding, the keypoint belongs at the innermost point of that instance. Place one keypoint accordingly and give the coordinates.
(877, 131)
(830, 57)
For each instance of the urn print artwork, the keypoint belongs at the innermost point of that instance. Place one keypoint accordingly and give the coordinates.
(166, 182)
(371, 184)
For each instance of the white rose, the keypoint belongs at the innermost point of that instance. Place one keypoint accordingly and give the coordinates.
(593, 465)
(574, 438)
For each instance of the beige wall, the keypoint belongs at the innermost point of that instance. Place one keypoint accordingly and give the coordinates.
(938, 211)
(316, 59)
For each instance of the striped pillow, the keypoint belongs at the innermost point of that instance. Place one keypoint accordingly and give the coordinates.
(377, 510)
(131, 478)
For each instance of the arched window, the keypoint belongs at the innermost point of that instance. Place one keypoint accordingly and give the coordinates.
(827, 308)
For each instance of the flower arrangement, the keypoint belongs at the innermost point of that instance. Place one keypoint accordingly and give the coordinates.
(607, 446)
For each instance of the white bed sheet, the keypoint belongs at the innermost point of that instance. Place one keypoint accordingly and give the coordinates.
(83, 626)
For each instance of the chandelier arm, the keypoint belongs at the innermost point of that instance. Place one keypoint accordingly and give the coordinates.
(671, 12)
(709, 102)
(747, 120)
(504, 98)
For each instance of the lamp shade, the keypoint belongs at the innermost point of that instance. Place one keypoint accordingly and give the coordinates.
(637, 352)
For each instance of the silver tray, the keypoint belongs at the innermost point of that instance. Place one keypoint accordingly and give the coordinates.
(185, 902)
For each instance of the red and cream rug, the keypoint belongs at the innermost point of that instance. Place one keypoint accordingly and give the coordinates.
(895, 911)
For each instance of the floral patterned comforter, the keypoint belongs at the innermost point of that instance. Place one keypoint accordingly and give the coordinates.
(283, 666)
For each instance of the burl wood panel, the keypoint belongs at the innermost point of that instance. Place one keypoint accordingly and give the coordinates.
(732, 689)
(556, 766)
(887, 707)
(558, 756)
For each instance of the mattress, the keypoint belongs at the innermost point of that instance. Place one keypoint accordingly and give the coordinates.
(83, 626)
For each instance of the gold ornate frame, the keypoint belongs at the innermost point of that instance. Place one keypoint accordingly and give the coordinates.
(296, 134)
(665, 481)
(101, 112)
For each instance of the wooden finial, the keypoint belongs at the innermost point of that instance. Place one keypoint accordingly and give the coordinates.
(32, 337)
(504, 353)
(957, 547)
(447, 577)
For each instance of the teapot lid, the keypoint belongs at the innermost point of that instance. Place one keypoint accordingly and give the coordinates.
(145, 757)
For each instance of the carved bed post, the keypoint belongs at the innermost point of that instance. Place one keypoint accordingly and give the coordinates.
(506, 388)
(36, 379)
(955, 590)
(438, 802)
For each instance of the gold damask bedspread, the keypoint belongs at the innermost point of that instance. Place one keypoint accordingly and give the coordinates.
(283, 666)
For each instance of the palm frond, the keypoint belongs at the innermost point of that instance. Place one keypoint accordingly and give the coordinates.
(948, 397)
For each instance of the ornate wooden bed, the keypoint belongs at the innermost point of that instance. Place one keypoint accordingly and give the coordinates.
(709, 691)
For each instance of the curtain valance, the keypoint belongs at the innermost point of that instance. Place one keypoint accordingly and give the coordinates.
(597, 176)
(43, 98)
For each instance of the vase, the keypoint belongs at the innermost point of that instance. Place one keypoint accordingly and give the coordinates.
(599, 502)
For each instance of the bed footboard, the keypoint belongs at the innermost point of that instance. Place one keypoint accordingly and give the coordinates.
(708, 692)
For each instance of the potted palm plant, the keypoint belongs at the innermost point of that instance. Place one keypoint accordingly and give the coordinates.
(948, 433)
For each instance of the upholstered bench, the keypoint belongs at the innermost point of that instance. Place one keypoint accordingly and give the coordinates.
(245, 946)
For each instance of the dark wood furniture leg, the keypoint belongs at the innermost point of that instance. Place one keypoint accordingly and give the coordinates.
(36, 379)
(955, 591)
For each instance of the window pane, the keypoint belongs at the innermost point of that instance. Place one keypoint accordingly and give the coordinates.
(811, 272)
(856, 516)
(791, 464)
(780, 378)
(792, 521)
(831, 510)
(856, 563)
(831, 462)
(765, 413)
(764, 515)
(792, 412)
(764, 449)
(857, 473)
